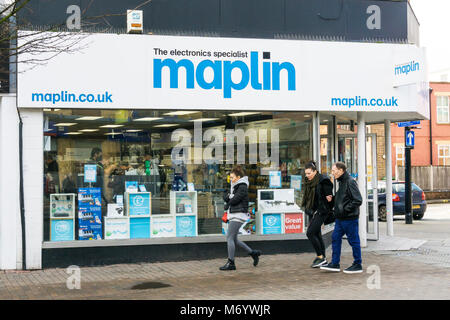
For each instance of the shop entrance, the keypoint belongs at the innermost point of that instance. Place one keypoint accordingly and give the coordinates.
(347, 153)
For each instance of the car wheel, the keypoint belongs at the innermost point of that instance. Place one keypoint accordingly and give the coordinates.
(382, 213)
(418, 216)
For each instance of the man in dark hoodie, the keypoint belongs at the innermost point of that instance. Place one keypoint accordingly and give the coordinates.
(346, 211)
(317, 205)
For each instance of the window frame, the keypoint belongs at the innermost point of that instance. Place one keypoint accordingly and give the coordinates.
(446, 158)
(439, 107)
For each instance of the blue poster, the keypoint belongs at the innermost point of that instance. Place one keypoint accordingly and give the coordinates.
(139, 228)
(90, 173)
(274, 179)
(62, 230)
(90, 214)
(186, 226)
(271, 224)
(131, 186)
(88, 197)
(139, 204)
(296, 182)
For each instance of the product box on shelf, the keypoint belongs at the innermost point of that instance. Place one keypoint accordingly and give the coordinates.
(89, 214)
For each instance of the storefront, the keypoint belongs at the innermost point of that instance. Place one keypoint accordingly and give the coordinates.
(128, 142)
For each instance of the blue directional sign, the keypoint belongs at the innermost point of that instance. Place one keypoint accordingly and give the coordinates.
(409, 139)
(408, 124)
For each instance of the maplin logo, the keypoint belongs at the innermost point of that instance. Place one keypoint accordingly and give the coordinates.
(222, 70)
(407, 68)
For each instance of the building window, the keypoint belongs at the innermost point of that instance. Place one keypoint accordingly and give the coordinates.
(399, 155)
(443, 109)
(444, 155)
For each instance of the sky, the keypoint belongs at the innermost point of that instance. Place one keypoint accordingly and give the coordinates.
(434, 19)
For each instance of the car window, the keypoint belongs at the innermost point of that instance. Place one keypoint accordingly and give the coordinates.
(398, 187)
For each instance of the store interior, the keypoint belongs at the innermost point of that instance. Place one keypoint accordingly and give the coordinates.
(138, 145)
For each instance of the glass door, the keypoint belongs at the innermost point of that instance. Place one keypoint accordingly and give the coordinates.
(347, 153)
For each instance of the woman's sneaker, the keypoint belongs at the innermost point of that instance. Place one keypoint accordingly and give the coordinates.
(319, 262)
(354, 268)
(331, 267)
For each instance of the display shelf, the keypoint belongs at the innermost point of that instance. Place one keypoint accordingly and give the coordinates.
(62, 217)
(138, 204)
(278, 213)
(183, 207)
(117, 228)
(183, 202)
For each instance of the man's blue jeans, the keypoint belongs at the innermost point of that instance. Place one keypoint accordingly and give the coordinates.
(351, 229)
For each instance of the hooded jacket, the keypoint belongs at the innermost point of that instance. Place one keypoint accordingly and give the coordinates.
(236, 201)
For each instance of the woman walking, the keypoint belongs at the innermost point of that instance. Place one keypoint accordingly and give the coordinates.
(317, 205)
(236, 202)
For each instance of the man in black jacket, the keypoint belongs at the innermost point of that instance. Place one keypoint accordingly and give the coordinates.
(346, 211)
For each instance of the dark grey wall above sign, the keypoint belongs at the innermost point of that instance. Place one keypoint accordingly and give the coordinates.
(344, 20)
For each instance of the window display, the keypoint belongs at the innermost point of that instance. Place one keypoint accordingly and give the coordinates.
(278, 213)
(62, 217)
(156, 173)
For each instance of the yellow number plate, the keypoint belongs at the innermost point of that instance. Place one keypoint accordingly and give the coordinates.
(416, 207)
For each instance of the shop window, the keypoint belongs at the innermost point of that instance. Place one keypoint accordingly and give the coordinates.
(124, 174)
(443, 109)
(444, 155)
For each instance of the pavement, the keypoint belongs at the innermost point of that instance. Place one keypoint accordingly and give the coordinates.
(414, 264)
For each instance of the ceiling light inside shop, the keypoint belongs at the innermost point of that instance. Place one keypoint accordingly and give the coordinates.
(307, 116)
(204, 119)
(180, 113)
(73, 133)
(148, 119)
(88, 130)
(89, 118)
(112, 126)
(63, 124)
(242, 114)
(166, 125)
(134, 130)
(113, 133)
(47, 110)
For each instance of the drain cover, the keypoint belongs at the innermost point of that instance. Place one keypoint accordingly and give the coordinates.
(150, 285)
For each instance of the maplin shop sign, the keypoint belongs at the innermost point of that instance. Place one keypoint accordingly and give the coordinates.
(222, 71)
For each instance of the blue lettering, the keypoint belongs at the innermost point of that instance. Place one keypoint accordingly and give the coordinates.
(173, 67)
(200, 74)
(228, 83)
(254, 67)
(276, 68)
(222, 74)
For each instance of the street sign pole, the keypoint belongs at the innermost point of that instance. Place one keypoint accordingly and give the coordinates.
(408, 200)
